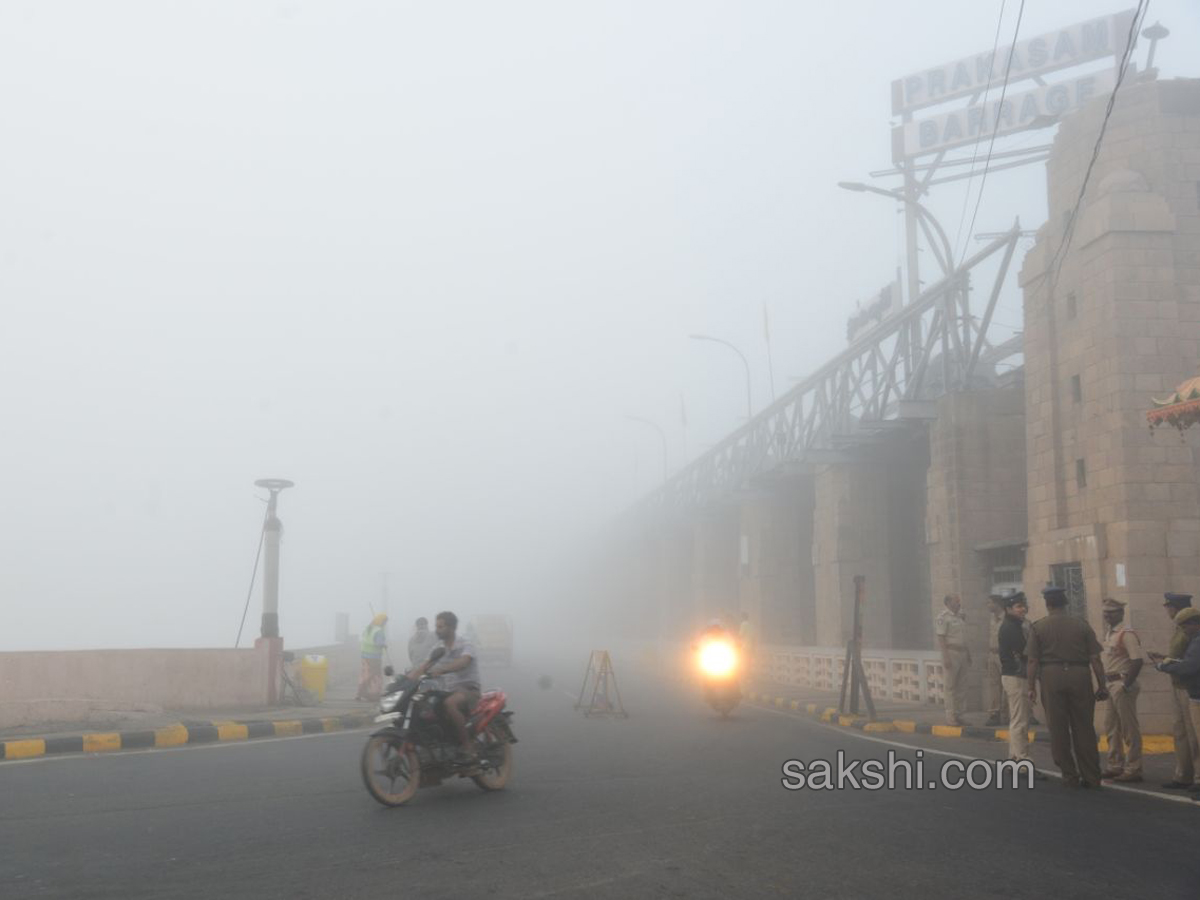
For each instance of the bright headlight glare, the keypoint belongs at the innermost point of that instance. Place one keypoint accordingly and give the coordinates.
(388, 701)
(718, 659)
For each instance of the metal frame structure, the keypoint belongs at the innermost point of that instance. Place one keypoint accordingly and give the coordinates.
(887, 377)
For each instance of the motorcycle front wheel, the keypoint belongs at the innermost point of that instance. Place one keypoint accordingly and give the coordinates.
(390, 773)
(499, 754)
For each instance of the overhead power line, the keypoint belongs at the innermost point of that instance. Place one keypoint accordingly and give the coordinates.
(996, 126)
(1069, 231)
(979, 137)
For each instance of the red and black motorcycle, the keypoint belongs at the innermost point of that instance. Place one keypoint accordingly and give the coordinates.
(417, 747)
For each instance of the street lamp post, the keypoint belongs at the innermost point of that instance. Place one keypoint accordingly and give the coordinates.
(717, 340)
(945, 256)
(272, 531)
(662, 436)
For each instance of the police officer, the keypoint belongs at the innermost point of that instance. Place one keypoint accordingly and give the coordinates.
(1061, 648)
(1014, 666)
(1188, 667)
(1122, 659)
(950, 627)
(1187, 747)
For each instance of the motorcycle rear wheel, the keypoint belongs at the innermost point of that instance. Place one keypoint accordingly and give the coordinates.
(391, 773)
(725, 707)
(495, 779)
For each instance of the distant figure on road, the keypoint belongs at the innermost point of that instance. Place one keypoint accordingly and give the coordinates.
(744, 629)
(1061, 649)
(422, 641)
(950, 626)
(374, 642)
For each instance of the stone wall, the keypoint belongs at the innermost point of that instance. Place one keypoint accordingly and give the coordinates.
(54, 682)
(975, 497)
(776, 584)
(1117, 324)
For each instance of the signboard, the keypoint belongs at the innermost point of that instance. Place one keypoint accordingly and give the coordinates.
(1037, 108)
(872, 312)
(1061, 49)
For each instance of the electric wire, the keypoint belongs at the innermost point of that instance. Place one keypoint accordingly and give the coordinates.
(253, 574)
(996, 127)
(1064, 245)
(979, 137)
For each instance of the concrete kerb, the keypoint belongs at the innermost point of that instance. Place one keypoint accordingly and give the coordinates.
(179, 734)
(1151, 743)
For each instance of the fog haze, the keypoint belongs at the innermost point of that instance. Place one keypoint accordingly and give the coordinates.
(424, 260)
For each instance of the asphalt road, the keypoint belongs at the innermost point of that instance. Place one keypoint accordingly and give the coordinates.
(672, 802)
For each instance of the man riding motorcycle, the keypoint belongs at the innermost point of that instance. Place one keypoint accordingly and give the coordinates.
(458, 669)
(718, 659)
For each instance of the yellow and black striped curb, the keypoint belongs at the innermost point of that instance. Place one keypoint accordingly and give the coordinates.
(178, 735)
(1151, 743)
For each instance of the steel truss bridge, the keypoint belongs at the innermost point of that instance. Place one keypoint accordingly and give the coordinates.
(888, 377)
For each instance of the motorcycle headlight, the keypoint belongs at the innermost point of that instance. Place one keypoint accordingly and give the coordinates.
(389, 702)
(718, 659)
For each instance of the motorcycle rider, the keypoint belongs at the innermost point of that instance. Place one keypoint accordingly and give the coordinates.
(459, 670)
(716, 630)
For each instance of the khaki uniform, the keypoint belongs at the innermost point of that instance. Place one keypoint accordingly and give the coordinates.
(1187, 747)
(1063, 647)
(953, 627)
(1121, 649)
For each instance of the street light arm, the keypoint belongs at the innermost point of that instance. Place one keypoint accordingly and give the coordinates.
(745, 363)
(922, 212)
(662, 435)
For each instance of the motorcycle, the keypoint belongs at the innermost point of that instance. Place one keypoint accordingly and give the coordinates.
(417, 748)
(719, 662)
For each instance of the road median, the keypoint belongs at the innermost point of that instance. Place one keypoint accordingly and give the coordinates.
(179, 734)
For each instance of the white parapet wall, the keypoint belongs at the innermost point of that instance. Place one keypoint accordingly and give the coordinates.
(914, 675)
(61, 685)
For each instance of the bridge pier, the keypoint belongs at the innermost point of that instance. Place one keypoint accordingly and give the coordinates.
(775, 578)
(715, 562)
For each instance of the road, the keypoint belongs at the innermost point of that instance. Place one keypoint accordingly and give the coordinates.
(672, 802)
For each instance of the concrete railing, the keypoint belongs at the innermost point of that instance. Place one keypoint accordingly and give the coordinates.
(914, 675)
(62, 685)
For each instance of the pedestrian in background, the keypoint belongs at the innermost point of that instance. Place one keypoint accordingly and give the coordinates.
(1187, 747)
(421, 643)
(950, 627)
(1122, 660)
(374, 643)
(1061, 649)
(997, 703)
(1013, 671)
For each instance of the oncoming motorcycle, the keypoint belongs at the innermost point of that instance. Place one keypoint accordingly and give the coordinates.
(416, 748)
(719, 661)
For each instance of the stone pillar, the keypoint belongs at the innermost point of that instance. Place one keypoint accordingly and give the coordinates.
(775, 584)
(975, 498)
(715, 563)
(850, 537)
(1117, 324)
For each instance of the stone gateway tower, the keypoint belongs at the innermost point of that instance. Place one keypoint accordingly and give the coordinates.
(1114, 511)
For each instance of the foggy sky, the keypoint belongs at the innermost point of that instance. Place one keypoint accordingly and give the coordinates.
(423, 259)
